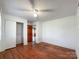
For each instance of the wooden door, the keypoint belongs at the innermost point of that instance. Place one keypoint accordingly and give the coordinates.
(29, 33)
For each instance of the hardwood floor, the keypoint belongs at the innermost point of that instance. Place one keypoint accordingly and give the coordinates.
(39, 51)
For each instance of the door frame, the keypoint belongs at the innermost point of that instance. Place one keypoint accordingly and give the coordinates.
(25, 42)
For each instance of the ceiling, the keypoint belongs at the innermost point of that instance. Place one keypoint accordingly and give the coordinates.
(61, 8)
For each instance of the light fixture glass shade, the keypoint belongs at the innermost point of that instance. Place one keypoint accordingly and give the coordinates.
(35, 15)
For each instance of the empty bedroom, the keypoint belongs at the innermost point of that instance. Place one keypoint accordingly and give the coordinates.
(39, 29)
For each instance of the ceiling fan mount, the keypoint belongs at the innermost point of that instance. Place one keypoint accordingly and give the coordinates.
(36, 10)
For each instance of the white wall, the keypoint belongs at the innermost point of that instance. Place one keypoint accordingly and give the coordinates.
(10, 34)
(77, 42)
(0, 25)
(0, 31)
(38, 31)
(30, 23)
(60, 32)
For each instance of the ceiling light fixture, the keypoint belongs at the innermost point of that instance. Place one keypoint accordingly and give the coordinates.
(35, 13)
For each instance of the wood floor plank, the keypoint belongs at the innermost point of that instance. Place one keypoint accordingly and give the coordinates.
(39, 51)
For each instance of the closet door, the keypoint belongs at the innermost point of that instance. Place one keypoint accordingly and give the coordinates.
(19, 33)
(10, 34)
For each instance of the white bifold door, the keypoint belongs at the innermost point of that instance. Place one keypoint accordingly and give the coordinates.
(10, 31)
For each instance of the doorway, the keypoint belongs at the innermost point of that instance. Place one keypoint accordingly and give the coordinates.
(29, 35)
(19, 34)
